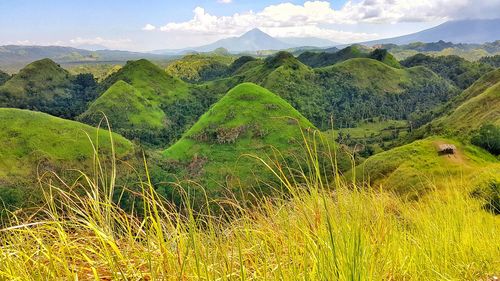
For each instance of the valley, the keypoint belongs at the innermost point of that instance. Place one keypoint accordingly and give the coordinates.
(254, 157)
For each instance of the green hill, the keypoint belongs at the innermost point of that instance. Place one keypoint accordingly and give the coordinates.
(34, 142)
(351, 91)
(416, 167)
(154, 83)
(127, 108)
(3, 77)
(200, 67)
(460, 72)
(476, 106)
(44, 86)
(247, 120)
(152, 99)
(321, 59)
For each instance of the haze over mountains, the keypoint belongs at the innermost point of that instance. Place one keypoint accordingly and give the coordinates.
(475, 31)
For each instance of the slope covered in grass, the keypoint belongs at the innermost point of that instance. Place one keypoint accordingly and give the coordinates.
(476, 106)
(321, 59)
(154, 83)
(33, 141)
(415, 168)
(149, 98)
(37, 86)
(350, 91)
(316, 234)
(127, 108)
(248, 120)
(200, 67)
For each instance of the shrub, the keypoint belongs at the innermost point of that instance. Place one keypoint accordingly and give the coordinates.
(488, 138)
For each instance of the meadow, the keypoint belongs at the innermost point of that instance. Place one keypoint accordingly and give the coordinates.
(317, 229)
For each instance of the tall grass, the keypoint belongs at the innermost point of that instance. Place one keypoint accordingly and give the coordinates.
(326, 231)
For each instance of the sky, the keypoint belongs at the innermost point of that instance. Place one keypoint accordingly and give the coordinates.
(167, 24)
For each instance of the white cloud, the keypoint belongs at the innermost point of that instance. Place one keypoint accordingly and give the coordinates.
(109, 43)
(315, 18)
(225, 1)
(149, 27)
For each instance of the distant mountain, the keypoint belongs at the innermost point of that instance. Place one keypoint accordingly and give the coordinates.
(14, 57)
(308, 41)
(253, 41)
(460, 31)
(92, 47)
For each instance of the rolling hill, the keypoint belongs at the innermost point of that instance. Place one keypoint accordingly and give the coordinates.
(351, 91)
(476, 106)
(33, 143)
(158, 100)
(413, 169)
(200, 67)
(247, 120)
(127, 109)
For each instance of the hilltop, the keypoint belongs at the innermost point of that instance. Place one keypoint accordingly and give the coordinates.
(351, 91)
(200, 67)
(248, 120)
(152, 96)
(127, 108)
(44, 86)
(32, 143)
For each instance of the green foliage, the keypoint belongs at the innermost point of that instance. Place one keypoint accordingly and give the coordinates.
(488, 138)
(44, 86)
(384, 56)
(321, 59)
(247, 120)
(493, 61)
(32, 143)
(457, 70)
(200, 67)
(3, 77)
(128, 110)
(412, 169)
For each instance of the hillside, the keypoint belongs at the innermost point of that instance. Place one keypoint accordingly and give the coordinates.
(32, 143)
(127, 109)
(200, 67)
(44, 86)
(477, 106)
(3, 77)
(321, 59)
(247, 120)
(412, 169)
(460, 72)
(350, 91)
(156, 100)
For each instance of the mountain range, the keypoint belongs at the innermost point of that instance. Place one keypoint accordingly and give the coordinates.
(477, 31)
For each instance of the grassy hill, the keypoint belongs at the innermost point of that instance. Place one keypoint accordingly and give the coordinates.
(247, 120)
(156, 85)
(460, 72)
(415, 168)
(149, 96)
(34, 142)
(476, 106)
(44, 86)
(127, 109)
(200, 67)
(321, 59)
(37, 86)
(351, 91)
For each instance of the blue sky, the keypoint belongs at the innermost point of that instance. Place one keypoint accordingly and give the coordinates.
(167, 24)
